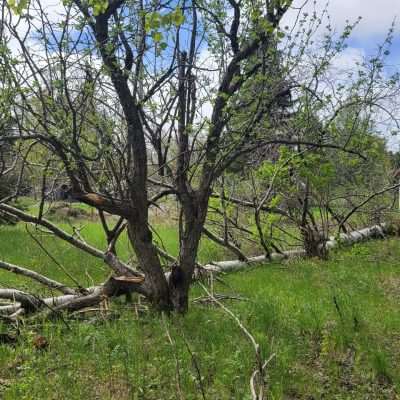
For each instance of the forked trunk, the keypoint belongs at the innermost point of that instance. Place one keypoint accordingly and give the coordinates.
(172, 293)
(194, 214)
(141, 239)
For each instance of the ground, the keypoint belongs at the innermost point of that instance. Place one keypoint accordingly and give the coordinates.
(334, 327)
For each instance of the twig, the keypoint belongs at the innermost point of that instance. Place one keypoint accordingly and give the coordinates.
(260, 370)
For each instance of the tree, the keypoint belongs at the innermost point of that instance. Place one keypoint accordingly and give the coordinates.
(312, 186)
(114, 84)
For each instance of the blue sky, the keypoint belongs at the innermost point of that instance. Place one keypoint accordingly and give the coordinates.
(369, 46)
(377, 17)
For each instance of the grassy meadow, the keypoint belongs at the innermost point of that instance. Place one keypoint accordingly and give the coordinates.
(334, 327)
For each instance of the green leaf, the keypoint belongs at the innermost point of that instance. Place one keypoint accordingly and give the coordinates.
(18, 6)
(166, 19)
(177, 17)
(99, 6)
(152, 21)
(157, 36)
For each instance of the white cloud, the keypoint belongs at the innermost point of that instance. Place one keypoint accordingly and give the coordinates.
(377, 16)
(348, 59)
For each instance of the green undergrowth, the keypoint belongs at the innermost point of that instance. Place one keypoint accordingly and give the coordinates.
(23, 245)
(333, 327)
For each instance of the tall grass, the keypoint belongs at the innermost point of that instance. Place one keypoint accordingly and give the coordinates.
(334, 327)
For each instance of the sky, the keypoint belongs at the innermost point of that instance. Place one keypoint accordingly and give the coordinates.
(377, 17)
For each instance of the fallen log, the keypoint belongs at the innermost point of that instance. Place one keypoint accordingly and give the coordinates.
(375, 231)
(25, 303)
(26, 300)
(234, 265)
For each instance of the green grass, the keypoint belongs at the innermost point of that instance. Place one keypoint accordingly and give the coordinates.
(18, 247)
(333, 326)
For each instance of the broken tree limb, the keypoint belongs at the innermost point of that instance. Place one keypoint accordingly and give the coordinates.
(9, 308)
(52, 284)
(344, 238)
(115, 286)
(375, 231)
(78, 303)
(109, 258)
(27, 300)
(27, 303)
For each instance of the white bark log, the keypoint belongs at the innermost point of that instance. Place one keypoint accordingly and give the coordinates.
(37, 277)
(26, 299)
(9, 308)
(357, 236)
(344, 238)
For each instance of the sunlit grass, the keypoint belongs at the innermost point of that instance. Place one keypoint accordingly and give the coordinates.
(334, 327)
